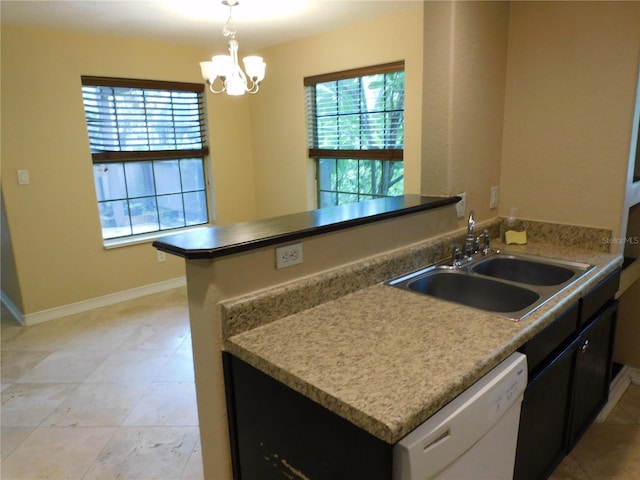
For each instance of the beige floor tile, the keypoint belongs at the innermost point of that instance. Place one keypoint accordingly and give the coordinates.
(12, 437)
(28, 404)
(194, 470)
(65, 366)
(10, 326)
(56, 453)
(165, 404)
(569, 469)
(630, 403)
(145, 453)
(16, 363)
(610, 451)
(620, 416)
(168, 316)
(46, 337)
(57, 430)
(97, 405)
(131, 366)
(179, 368)
(156, 337)
(101, 337)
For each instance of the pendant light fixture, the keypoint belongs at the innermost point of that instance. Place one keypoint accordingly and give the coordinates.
(224, 74)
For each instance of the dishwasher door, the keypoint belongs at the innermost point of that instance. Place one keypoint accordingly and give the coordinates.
(474, 436)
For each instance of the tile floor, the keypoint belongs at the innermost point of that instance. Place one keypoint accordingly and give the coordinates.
(106, 394)
(109, 394)
(609, 450)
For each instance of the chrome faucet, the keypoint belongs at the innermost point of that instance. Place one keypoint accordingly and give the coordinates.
(456, 256)
(470, 244)
(487, 242)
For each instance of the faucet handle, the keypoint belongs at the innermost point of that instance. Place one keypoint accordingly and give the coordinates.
(456, 256)
(487, 242)
(471, 224)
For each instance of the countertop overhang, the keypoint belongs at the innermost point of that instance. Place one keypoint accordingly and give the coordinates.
(218, 241)
(387, 359)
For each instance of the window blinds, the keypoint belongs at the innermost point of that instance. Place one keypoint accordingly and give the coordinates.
(140, 119)
(357, 113)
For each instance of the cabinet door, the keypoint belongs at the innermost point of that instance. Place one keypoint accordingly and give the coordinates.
(593, 370)
(277, 433)
(543, 418)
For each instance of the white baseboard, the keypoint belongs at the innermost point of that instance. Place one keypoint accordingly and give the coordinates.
(91, 304)
(625, 377)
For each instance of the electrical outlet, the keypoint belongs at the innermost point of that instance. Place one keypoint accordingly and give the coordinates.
(23, 177)
(289, 255)
(461, 206)
(493, 202)
(161, 256)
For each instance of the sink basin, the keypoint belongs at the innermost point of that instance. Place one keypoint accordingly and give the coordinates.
(523, 270)
(508, 285)
(474, 291)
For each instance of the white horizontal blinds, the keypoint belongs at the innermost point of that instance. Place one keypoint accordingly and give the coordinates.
(357, 113)
(139, 119)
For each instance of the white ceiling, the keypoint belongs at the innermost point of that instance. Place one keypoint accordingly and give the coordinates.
(260, 23)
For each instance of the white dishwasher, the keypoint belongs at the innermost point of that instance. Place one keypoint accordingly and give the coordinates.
(472, 437)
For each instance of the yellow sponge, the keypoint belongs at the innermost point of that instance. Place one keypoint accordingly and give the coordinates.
(519, 238)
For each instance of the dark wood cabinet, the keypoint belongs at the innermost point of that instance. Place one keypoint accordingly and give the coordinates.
(568, 382)
(545, 406)
(277, 433)
(592, 373)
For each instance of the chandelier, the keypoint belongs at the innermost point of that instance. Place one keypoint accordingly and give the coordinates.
(232, 79)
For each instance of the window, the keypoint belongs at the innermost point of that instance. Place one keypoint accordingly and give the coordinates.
(356, 133)
(148, 148)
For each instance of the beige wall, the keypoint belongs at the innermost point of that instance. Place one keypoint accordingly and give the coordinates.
(536, 97)
(53, 222)
(570, 94)
(465, 61)
(278, 112)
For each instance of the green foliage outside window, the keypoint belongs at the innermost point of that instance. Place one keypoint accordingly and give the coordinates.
(356, 135)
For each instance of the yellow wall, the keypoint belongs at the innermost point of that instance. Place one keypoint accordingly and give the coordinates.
(536, 97)
(53, 222)
(570, 94)
(465, 59)
(278, 112)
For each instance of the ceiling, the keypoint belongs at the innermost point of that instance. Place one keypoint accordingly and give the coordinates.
(260, 23)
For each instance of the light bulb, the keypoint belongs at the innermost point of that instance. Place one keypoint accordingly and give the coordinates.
(255, 67)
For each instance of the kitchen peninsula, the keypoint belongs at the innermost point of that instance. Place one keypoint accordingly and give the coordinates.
(329, 329)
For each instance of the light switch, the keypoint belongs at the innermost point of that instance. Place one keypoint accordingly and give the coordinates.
(23, 177)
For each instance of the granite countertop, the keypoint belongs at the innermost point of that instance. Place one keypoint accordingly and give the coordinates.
(387, 359)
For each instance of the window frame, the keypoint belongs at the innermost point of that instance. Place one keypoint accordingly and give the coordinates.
(106, 157)
(318, 154)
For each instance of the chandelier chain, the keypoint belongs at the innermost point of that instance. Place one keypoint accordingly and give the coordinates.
(229, 29)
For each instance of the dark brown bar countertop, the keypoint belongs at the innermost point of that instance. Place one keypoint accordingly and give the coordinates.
(218, 241)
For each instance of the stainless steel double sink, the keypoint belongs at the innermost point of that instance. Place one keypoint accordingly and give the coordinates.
(507, 284)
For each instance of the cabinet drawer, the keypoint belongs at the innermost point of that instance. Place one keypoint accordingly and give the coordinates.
(550, 339)
(593, 301)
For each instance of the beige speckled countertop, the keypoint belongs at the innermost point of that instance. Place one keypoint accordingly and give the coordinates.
(387, 359)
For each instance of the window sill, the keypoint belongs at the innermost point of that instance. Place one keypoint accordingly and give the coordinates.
(147, 238)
